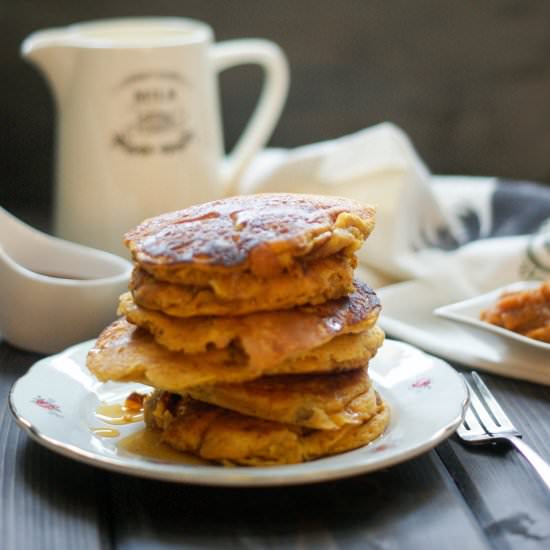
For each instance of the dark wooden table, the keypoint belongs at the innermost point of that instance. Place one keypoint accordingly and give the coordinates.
(452, 497)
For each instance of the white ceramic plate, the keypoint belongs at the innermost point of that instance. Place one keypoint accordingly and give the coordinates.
(56, 400)
(467, 313)
(418, 312)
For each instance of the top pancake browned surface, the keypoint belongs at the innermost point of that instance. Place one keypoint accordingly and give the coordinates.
(262, 232)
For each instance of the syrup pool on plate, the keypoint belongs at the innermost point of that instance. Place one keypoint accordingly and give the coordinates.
(147, 443)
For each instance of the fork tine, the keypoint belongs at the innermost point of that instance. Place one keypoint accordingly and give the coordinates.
(481, 412)
(474, 428)
(500, 416)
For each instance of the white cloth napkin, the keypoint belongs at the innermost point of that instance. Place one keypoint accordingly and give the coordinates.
(460, 236)
(376, 166)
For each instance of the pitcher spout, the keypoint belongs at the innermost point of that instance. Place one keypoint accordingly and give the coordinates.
(52, 53)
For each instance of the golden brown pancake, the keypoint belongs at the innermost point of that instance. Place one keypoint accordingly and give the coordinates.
(217, 434)
(123, 352)
(266, 338)
(320, 401)
(262, 234)
(241, 293)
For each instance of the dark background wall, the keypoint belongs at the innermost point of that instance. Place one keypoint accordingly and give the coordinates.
(468, 80)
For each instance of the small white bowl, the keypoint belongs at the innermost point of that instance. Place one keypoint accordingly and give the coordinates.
(467, 314)
(54, 293)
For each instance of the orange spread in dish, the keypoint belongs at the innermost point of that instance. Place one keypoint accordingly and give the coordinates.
(526, 312)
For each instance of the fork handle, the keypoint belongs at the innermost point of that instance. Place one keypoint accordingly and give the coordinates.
(539, 464)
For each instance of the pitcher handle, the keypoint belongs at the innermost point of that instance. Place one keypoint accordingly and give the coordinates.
(270, 103)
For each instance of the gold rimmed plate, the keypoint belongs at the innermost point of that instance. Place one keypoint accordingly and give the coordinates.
(57, 401)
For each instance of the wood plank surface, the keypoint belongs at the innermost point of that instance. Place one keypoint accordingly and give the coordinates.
(414, 505)
(502, 490)
(47, 502)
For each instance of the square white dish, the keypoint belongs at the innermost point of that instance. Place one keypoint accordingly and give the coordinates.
(468, 312)
(513, 348)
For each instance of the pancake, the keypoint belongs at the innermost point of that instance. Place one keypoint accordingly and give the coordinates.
(320, 401)
(123, 352)
(241, 293)
(268, 337)
(262, 234)
(217, 434)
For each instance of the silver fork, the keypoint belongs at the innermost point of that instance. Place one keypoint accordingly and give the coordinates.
(486, 422)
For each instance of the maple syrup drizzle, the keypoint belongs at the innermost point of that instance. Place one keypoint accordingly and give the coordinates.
(105, 432)
(118, 414)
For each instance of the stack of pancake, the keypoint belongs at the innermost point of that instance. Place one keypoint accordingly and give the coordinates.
(244, 316)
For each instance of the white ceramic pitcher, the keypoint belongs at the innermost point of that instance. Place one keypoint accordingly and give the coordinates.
(139, 129)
